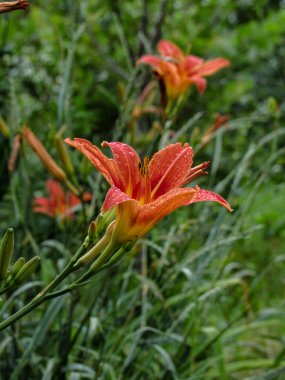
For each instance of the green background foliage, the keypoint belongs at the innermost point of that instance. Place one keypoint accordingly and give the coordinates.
(201, 297)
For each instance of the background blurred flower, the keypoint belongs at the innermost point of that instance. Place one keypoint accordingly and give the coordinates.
(178, 72)
(58, 203)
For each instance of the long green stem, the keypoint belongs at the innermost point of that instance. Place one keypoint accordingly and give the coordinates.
(43, 296)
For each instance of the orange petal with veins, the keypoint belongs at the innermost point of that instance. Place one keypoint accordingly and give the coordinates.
(169, 168)
(212, 66)
(169, 49)
(127, 161)
(103, 164)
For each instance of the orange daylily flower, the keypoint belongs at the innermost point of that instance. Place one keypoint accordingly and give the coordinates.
(178, 72)
(58, 203)
(144, 193)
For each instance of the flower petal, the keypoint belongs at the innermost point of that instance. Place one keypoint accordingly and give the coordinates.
(205, 195)
(167, 71)
(102, 163)
(191, 61)
(151, 213)
(211, 67)
(72, 200)
(169, 49)
(150, 60)
(127, 161)
(134, 220)
(200, 83)
(42, 205)
(56, 191)
(126, 228)
(127, 212)
(169, 168)
(114, 197)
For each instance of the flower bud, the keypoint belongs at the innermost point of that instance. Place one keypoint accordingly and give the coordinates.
(15, 269)
(63, 154)
(27, 270)
(6, 251)
(123, 251)
(17, 266)
(92, 232)
(103, 220)
(16, 145)
(99, 247)
(42, 153)
(4, 129)
(13, 6)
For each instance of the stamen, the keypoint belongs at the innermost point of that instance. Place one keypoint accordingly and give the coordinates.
(144, 194)
(143, 168)
(197, 171)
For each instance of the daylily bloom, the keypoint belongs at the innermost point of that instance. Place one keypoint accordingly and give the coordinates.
(144, 193)
(58, 203)
(177, 72)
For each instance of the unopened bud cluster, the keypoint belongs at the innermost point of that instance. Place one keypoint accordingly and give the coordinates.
(10, 277)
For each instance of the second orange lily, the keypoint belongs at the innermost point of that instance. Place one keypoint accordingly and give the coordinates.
(178, 72)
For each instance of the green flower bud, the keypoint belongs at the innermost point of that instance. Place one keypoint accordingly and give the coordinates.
(63, 154)
(17, 266)
(15, 269)
(92, 232)
(103, 220)
(26, 271)
(6, 251)
(4, 129)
